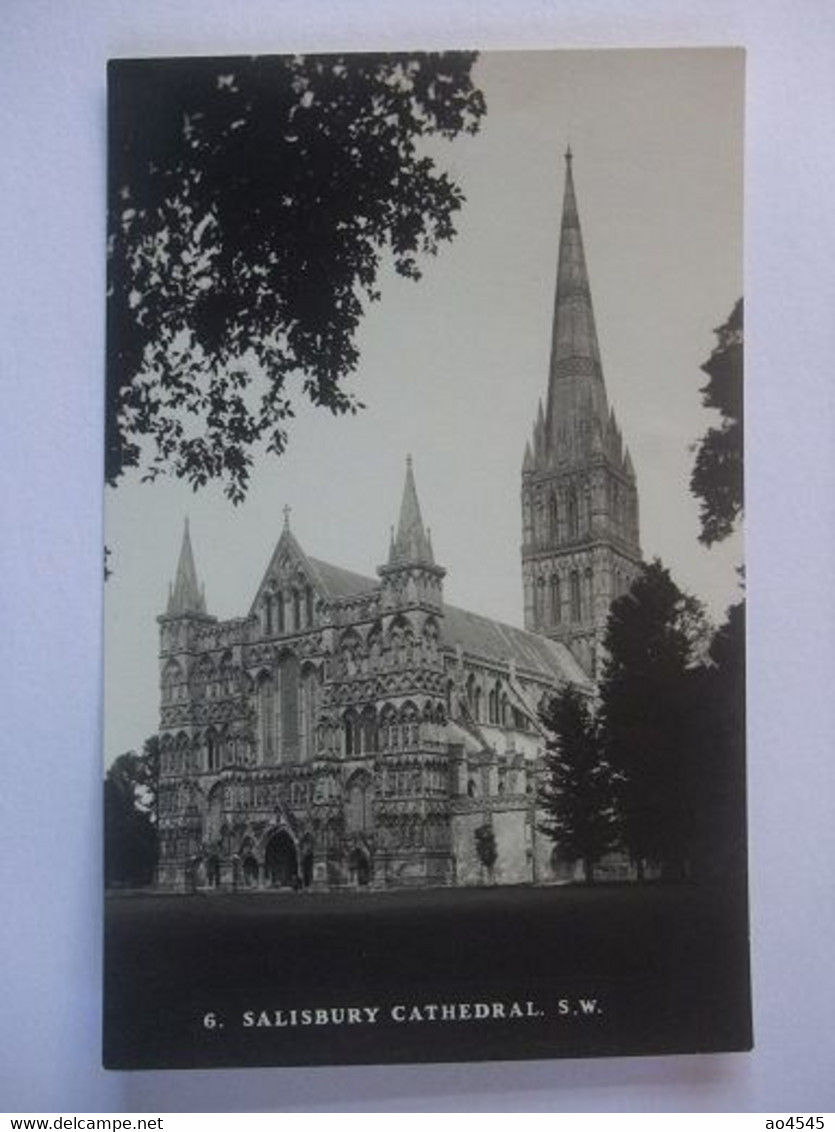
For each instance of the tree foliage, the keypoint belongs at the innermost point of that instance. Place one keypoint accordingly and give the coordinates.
(717, 478)
(576, 793)
(130, 816)
(250, 203)
(656, 638)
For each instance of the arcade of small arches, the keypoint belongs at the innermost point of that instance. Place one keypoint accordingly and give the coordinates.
(204, 681)
(360, 732)
(273, 861)
(566, 597)
(563, 513)
(401, 645)
(346, 844)
(488, 692)
(369, 732)
(288, 609)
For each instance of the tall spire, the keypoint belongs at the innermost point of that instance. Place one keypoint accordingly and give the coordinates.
(578, 485)
(411, 544)
(186, 597)
(575, 354)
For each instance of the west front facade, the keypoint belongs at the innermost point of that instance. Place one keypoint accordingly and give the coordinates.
(359, 731)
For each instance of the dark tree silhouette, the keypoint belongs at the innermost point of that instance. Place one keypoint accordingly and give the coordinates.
(250, 203)
(720, 725)
(717, 479)
(130, 817)
(576, 793)
(655, 638)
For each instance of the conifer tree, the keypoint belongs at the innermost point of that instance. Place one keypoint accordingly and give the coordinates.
(654, 642)
(576, 791)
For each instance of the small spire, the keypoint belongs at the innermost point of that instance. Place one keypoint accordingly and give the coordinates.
(186, 596)
(411, 544)
(287, 510)
(568, 154)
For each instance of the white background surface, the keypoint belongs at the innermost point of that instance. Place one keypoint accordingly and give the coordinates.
(52, 121)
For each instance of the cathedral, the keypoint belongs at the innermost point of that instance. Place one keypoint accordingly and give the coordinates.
(353, 731)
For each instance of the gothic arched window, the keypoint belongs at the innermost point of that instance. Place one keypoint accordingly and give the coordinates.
(387, 727)
(552, 517)
(470, 693)
(368, 728)
(358, 804)
(288, 677)
(539, 601)
(573, 514)
(576, 605)
(588, 596)
(266, 718)
(556, 608)
(349, 733)
(171, 679)
(409, 729)
(279, 608)
(308, 607)
(308, 705)
(212, 752)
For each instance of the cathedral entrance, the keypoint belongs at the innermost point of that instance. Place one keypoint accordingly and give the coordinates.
(250, 872)
(281, 865)
(360, 868)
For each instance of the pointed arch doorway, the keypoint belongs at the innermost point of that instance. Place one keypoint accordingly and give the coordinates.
(281, 862)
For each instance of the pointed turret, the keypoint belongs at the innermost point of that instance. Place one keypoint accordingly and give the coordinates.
(411, 544)
(527, 461)
(186, 597)
(410, 576)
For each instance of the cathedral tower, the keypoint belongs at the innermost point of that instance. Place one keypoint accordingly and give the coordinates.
(580, 541)
(181, 748)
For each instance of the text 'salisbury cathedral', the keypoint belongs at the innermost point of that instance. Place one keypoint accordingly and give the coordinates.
(352, 730)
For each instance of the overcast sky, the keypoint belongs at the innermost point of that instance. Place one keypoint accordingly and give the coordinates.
(452, 367)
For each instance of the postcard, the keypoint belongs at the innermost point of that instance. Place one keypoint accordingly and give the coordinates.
(425, 622)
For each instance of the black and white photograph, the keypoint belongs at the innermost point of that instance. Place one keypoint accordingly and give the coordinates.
(424, 708)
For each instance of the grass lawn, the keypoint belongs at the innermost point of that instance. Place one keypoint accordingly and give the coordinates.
(666, 968)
